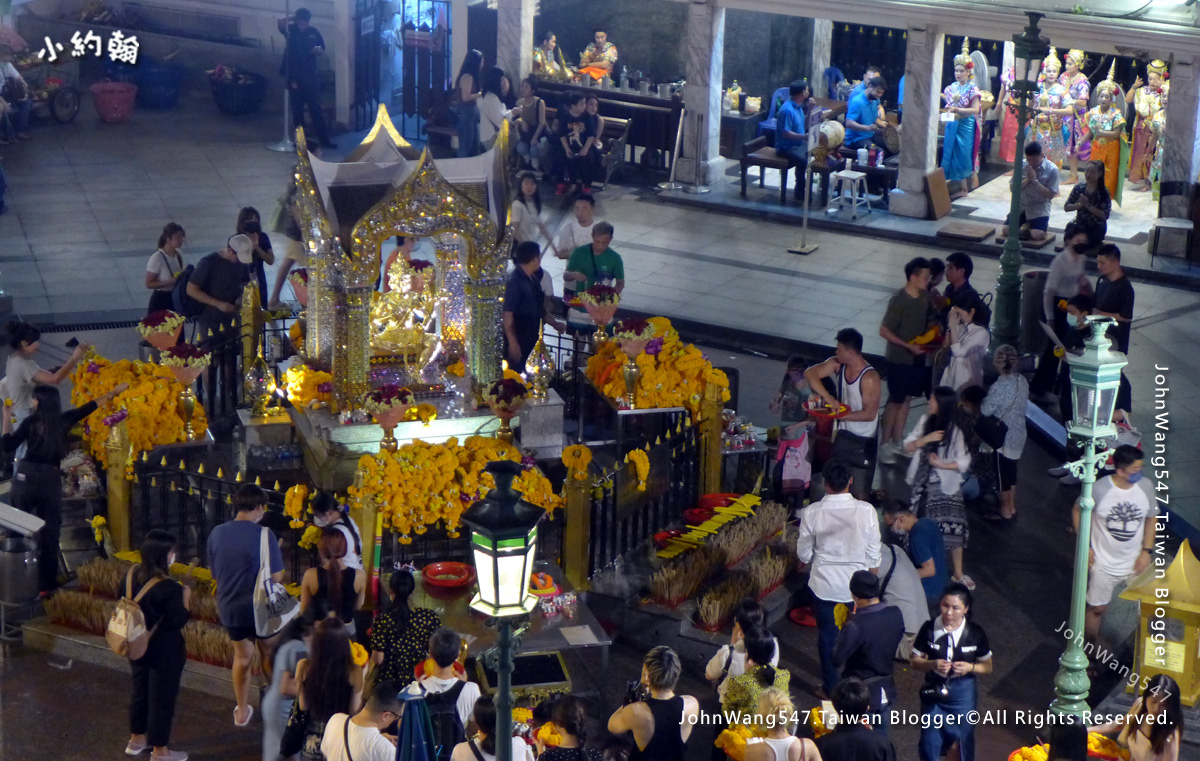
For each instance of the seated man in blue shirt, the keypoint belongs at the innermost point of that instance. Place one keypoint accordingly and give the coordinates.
(791, 127)
(871, 72)
(861, 117)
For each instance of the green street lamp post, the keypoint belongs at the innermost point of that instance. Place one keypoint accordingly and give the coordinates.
(504, 542)
(1095, 378)
(1030, 48)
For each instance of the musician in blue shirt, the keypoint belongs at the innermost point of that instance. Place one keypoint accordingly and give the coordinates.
(862, 116)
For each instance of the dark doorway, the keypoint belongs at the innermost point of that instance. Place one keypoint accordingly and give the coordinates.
(414, 62)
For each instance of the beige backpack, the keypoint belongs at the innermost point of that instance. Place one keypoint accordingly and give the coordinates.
(127, 634)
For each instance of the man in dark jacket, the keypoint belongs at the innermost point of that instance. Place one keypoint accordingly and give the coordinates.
(867, 644)
(853, 740)
(304, 46)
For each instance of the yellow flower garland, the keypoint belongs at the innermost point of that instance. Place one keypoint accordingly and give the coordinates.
(152, 402)
(303, 385)
(422, 484)
(458, 369)
(358, 654)
(309, 539)
(296, 333)
(426, 413)
(577, 458)
(675, 377)
(293, 504)
(98, 524)
(641, 463)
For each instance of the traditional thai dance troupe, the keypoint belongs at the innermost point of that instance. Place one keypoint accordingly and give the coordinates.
(1069, 129)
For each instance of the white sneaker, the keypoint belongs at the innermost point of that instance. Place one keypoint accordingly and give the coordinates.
(175, 755)
(887, 453)
(1058, 472)
(1069, 480)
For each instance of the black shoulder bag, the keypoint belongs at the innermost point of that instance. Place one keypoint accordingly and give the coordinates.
(992, 430)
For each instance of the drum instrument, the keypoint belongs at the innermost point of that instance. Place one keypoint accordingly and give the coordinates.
(830, 135)
(891, 136)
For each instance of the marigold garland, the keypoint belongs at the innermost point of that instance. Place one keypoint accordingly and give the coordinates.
(305, 385)
(422, 484)
(98, 523)
(641, 463)
(152, 402)
(293, 504)
(358, 654)
(309, 539)
(458, 369)
(674, 374)
(577, 458)
(426, 413)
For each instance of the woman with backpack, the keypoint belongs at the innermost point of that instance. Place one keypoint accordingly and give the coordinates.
(327, 513)
(37, 486)
(165, 606)
(340, 589)
(164, 267)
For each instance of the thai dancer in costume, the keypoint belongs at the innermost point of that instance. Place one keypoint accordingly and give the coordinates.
(1079, 146)
(1051, 106)
(1105, 125)
(1159, 125)
(1008, 124)
(960, 146)
(1147, 101)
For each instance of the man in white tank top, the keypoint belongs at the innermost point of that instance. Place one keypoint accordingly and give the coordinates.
(858, 387)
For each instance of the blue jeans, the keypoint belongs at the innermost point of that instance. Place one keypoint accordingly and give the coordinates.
(466, 124)
(16, 120)
(950, 714)
(827, 632)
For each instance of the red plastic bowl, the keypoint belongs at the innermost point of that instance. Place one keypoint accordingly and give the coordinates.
(697, 515)
(717, 500)
(449, 575)
(662, 537)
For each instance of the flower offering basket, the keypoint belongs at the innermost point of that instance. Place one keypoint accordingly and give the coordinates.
(161, 329)
(505, 398)
(388, 404)
(299, 281)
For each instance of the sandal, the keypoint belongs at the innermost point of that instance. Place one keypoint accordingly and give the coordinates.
(249, 716)
(966, 581)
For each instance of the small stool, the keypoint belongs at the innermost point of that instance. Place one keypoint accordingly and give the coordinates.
(1174, 223)
(857, 182)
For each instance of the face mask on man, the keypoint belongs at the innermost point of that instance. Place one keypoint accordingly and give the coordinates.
(1133, 478)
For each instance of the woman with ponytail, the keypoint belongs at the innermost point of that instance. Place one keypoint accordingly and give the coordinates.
(745, 690)
(329, 513)
(400, 637)
(777, 720)
(482, 747)
(342, 589)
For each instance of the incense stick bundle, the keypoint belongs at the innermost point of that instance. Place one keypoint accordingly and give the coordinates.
(678, 580)
(768, 569)
(717, 604)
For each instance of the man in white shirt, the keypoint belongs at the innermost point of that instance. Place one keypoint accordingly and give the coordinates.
(361, 738)
(839, 535)
(578, 231)
(444, 647)
(1122, 539)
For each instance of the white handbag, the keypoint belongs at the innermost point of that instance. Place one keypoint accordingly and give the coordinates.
(273, 605)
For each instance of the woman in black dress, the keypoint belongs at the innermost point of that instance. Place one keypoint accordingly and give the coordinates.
(400, 637)
(165, 603)
(37, 485)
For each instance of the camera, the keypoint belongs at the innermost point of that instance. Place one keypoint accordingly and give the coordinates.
(635, 692)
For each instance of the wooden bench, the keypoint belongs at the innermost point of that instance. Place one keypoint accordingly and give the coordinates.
(756, 153)
(613, 141)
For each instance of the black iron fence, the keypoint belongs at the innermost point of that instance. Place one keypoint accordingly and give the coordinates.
(222, 389)
(623, 515)
(189, 501)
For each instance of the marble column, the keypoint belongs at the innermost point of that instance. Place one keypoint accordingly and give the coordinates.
(514, 38)
(458, 37)
(1181, 157)
(344, 41)
(918, 137)
(705, 42)
(822, 53)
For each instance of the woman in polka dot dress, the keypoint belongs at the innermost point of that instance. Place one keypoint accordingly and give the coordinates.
(400, 637)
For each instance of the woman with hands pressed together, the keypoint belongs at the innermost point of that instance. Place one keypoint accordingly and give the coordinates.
(940, 460)
(952, 651)
(37, 485)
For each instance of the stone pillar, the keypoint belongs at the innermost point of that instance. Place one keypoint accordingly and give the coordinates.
(484, 296)
(922, 105)
(458, 38)
(117, 451)
(514, 38)
(1181, 159)
(705, 42)
(341, 58)
(822, 53)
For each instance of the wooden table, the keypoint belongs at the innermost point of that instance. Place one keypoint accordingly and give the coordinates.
(737, 129)
(544, 633)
